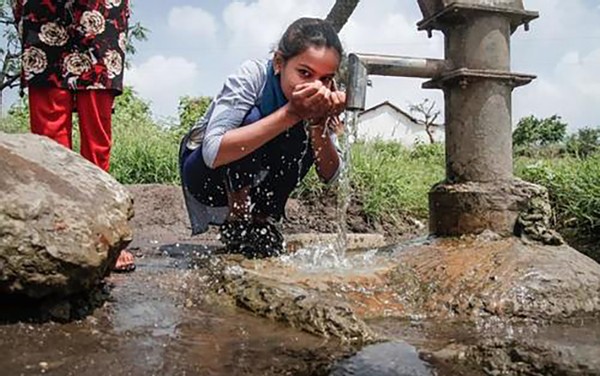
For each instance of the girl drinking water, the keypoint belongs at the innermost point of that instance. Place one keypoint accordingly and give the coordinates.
(270, 123)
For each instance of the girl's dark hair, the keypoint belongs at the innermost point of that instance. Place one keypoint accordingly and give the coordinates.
(308, 32)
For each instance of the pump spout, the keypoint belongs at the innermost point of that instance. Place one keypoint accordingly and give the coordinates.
(360, 66)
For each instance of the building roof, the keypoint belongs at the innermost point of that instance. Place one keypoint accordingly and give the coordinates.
(397, 109)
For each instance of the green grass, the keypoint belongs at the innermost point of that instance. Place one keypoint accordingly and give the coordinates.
(390, 180)
(574, 187)
(144, 153)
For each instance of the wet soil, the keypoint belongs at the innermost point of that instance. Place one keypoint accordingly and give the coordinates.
(160, 216)
(156, 324)
(158, 321)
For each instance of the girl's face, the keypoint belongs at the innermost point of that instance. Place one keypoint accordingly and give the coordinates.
(315, 63)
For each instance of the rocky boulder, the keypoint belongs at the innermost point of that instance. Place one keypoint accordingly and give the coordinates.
(63, 221)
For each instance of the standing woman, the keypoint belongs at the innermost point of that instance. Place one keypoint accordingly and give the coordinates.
(272, 121)
(72, 59)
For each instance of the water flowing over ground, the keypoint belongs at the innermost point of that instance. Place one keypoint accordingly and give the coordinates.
(160, 320)
(333, 255)
(156, 324)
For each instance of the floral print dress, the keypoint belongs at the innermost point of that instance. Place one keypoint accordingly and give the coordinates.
(73, 44)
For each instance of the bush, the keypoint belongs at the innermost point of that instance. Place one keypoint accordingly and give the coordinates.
(584, 143)
(532, 131)
(143, 151)
(574, 187)
(388, 179)
(391, 180)
(191, 110)
(17, 120)
(435, 152)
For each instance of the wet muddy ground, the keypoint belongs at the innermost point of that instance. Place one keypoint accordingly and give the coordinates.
(153, 325)
(160, 217)
(155, 322)
(158, 322)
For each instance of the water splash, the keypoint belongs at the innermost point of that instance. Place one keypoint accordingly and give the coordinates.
(326, 258)
(344, 194)
(333, 256)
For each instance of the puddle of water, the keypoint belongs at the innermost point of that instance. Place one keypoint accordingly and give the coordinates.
(157, 324)
(560, 348)
(187, 251)
(385, 359)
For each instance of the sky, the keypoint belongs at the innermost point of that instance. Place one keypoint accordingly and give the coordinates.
(194, 44)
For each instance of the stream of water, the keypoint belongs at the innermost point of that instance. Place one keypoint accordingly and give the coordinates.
(332, 256)
(344, 195)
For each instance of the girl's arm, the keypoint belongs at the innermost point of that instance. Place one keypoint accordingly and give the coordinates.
(229, 108)
(232, 144)
(238, 143)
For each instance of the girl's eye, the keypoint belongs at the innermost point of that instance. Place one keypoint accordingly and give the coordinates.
(304, 73)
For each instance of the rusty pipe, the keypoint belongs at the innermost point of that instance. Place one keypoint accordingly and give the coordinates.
(360, 66)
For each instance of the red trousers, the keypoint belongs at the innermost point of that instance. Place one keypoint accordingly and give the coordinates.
(51, 110)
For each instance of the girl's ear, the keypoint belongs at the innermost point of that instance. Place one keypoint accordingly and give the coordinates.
(278, 62)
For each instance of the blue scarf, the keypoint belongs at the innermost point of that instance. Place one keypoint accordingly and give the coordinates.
(272, 98)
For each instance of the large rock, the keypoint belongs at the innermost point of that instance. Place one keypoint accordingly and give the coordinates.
(63, 221)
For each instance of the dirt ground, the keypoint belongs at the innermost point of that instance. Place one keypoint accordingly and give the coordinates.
(156, 321)
(160, 217)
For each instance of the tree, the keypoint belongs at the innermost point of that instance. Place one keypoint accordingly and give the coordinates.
(426, 115)
(534, 132)
(190, 110)
(131, 110)
(340, 12)
(585, 142)
(136, 32)
(10, 52)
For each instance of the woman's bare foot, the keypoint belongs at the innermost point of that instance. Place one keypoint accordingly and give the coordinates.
(125, 263)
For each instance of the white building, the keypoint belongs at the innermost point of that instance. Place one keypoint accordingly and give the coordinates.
(387, 122)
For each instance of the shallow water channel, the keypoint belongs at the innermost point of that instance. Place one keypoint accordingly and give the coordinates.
(153, 325)
(157, 323)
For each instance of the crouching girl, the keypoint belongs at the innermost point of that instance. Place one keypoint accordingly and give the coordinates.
(271, 122)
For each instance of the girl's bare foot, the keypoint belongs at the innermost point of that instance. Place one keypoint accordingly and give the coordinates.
(125, 263)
